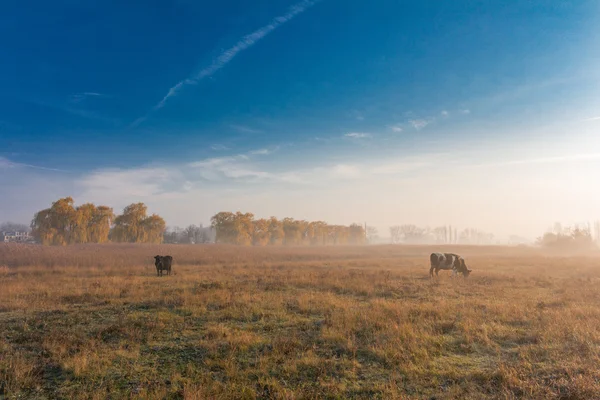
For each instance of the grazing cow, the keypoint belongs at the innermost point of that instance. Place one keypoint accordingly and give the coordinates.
(163, 263)
(448, 261)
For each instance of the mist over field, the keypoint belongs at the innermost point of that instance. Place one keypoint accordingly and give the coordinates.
(300, 199)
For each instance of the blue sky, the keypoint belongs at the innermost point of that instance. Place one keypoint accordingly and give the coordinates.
(336, 110)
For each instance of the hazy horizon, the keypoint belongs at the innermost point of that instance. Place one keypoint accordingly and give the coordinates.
(427, 114)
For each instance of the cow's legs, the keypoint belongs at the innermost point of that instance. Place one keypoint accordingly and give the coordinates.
(431, 271)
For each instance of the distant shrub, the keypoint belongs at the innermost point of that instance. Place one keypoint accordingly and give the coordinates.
(568, 239)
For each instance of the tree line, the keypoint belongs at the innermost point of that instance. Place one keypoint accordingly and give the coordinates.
(440, 235)
(64, 224)
(243, 229)
(192, 234)
(568, 238)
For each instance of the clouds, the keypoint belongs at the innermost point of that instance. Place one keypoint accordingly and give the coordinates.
(391, 189)
(128, 183)
(244, 129)
(264, 152)
(346, 171)
(358, 135)
(244, 43)
(396, 128)
(419, 124)
(80, 97)
(226, 168)
(5, 163)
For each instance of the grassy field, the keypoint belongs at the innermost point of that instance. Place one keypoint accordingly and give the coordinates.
(95, 322)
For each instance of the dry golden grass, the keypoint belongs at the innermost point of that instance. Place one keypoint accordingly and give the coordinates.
(94, 322)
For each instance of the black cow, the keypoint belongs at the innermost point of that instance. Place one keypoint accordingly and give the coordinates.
(448, 261)
(163, 263)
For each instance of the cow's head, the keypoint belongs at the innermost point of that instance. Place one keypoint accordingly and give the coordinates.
(157, 259)
(465, 271)
(462, 267)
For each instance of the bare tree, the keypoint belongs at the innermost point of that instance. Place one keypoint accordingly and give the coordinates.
(412, 233)
(395, 234)
(372, 234)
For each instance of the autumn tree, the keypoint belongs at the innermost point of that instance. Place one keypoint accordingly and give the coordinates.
(102, 220)
(63, 224)
(128, 226)
(224, 225)
(133, 226)
(242, 229)
(276, 232)
(356, 234)
(292, 232)
(55, 225)
(260, 232)
(319, 233)
(83, 220)
(233, 228)
(152, 229)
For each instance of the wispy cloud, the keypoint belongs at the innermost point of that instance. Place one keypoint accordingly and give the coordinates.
(71, 109)
(133, 183)
(345, 171)
(219, 147)
(79, 97)
(465, 111)
(445, 113)
(5, 163)
(358, 135)
(244, 129)
(234, 167)
(244, 43)
(396, 128)
(591, 119)
(264, 152)
(419, 123)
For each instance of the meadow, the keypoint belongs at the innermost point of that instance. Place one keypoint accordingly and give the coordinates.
(95, 322)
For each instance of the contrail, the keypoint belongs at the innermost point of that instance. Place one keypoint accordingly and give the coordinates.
(225, 57)
(7, 163)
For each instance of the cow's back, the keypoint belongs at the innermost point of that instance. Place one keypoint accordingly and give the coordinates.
(436, 258)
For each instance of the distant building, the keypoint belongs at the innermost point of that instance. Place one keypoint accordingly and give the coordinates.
(16, 237)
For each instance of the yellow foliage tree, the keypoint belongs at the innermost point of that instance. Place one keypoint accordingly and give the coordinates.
(63, 224)
(133, 226)
(240, 228)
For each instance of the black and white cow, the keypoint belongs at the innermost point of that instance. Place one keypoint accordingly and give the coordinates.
(448, 261)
